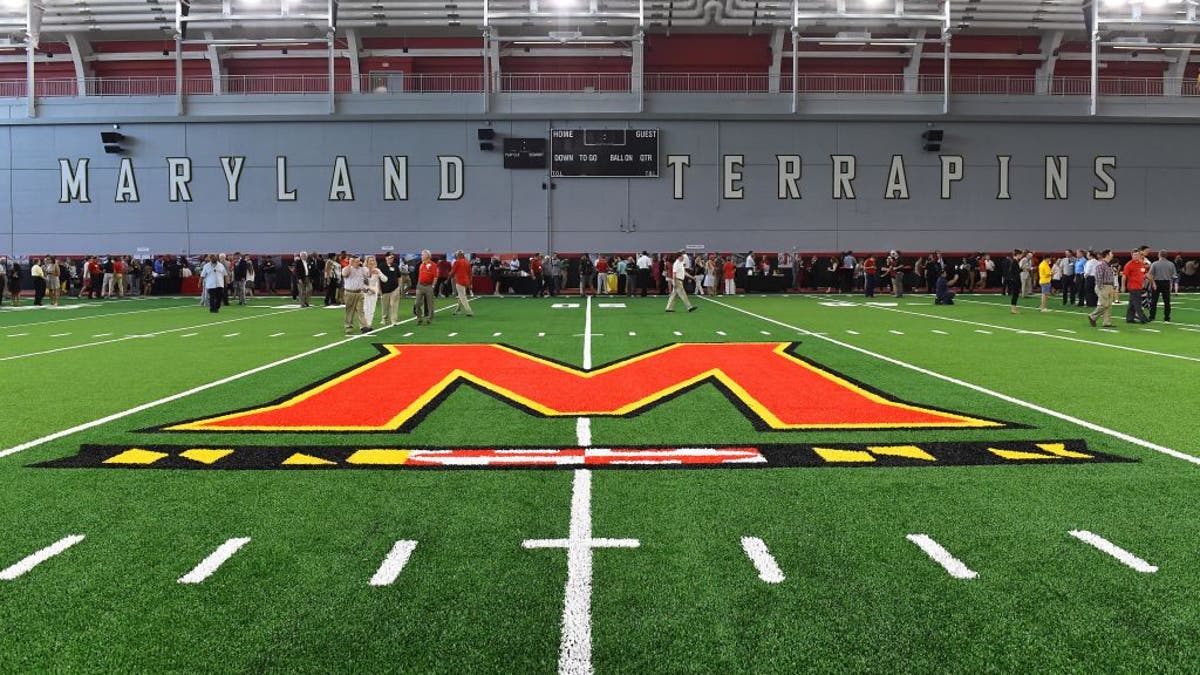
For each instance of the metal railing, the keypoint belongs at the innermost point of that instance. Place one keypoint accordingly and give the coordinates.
(619, 83)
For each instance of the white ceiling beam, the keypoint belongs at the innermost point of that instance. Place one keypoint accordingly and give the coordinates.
(776, 61)
(1173, 81)
(213, 54)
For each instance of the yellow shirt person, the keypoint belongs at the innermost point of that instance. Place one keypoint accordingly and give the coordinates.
(1045, 274)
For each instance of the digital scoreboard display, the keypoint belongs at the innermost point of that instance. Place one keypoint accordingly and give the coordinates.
(614, 153)
(525, 153)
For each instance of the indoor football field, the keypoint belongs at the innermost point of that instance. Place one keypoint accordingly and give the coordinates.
(769, 484)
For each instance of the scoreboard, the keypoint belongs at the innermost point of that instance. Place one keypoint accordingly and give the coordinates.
(619, 153)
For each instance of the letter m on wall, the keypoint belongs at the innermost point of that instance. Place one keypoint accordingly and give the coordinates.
(776, 390)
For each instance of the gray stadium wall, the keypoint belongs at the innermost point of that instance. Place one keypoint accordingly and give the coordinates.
(1156, 176)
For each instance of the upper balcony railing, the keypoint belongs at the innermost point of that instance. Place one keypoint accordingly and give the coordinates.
(377, 83)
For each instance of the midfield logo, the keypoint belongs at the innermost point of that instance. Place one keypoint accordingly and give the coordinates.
(773, 386)
(770, 383)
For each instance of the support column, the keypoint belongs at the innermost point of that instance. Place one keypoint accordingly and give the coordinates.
(81, 49)
(776, 61)
(1044, 77)
(214, 64)
(912, 70)
(1173, 80)
(637, 80)
(352, 49)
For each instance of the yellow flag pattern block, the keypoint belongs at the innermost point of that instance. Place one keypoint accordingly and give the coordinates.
(1055, 450)
(136, 457)
(868, 455)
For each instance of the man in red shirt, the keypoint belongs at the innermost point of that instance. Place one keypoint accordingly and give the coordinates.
(427, 276)
(535, 271)
(869, 278)
(729, 276)
(1135, 283)
(443, 279)
(461, 270)
(602, 275)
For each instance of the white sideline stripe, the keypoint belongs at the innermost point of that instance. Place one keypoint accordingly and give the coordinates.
(32, 561)
(1120, 435)
(1128, 559)
(394, 563)
(100, 316)
(1173, 324)
(1152, 330)
(583, 432)
(895, 332)
(1191, 330)
(320, 334)
(764, 562)
(853, 332)
(1065, 330)
(1108, 345)
(131, 337)
(209, 565)
(189, 335)
(18, 335)
(941, 556)
(183, 394)
(983, 332)
(275, 334)
(60, 335)
(939, 332)
(231, 335)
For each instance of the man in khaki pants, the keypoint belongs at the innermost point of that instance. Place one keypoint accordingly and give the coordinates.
(391, 291)
(1106, 290)
(427, 274)
(679, 272)
(354, 283)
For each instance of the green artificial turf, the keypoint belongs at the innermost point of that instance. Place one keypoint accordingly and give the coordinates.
(857, 595)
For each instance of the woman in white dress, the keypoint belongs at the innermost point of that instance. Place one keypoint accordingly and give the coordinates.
(710, 277)
(375, 277)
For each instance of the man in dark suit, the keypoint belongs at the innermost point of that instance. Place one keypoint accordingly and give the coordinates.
(303, 270)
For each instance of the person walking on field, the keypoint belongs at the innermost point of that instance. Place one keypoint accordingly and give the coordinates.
(212, 276)
(1106, 290)
(679, 272)
(1163, 274)
(461, 273)
(390, 291)
(1135, 283)
(374, 290)
(427, 276)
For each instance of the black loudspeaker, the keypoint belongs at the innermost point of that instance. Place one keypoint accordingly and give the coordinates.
(932, 140)
(111, 136)
(487, 146)
(113, 149)
(487, 134)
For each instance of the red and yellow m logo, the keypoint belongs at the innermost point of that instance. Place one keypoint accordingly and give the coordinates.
(775, 388)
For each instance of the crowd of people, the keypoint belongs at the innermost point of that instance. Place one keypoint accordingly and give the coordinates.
(1078, 277)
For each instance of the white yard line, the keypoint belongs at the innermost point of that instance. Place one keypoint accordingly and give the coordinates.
(60, 335)
(677, 333)
(853, 332)
(101, 335)
(1074, 313)
(1128, 559)
(941, 556)
(452, 335)
(35, 559)
(632, 334)
(229, 335)
(394, 563)
(276, 335)
(764, 562)
(18, 334)
(895, 332)
(497, 334)
(187, 335)
(407, 335)
(135, 337)
(583, 432)
(721, 333)
(575, 647)
(983, 390)
(939, 332)
(587, 335)
(764, 332)
(194, 390)
(983, 332)
(541, 335)
(320, 334)
(213, 562)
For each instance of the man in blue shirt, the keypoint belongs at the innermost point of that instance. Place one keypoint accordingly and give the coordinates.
(1080, 263)
(942, 294)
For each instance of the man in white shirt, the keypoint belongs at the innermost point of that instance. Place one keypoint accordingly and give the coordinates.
(1091, 298)
(212, 276)
(643, 272)
(679, 272)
